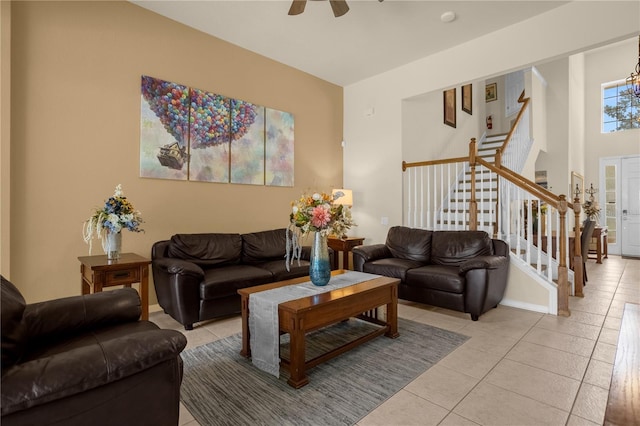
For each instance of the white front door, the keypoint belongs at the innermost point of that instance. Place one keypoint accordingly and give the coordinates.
(630, 206)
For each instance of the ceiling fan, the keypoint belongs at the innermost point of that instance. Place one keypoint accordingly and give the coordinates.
(339, 7)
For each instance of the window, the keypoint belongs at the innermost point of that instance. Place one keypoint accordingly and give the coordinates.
(620, 108)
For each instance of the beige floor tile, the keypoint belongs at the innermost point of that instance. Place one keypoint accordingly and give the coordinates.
(627, 298)
(591, 403)
(491, 405)
(579, 421)
(405, 408)
(587, 318)
(543, 386)
(549, 359)
(507, 328)
(604, 352)
(615, 311)
(488, 342)
(609, 335)
(592, 305)
(442, 386)
(471, 362)
(599, 374)
(198, 337)
(163, 320)
(569, 326)
(185, 416)
(630, 289)
(439, 320)
(613, 322)
(409, 311)
(455, 420)
(224, 327)
(552, 339)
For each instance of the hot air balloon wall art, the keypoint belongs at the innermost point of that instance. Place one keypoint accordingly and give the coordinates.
(191, 134)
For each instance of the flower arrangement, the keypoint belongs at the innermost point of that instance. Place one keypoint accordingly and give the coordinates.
(591, 208)
(117, 214)
(316, 213)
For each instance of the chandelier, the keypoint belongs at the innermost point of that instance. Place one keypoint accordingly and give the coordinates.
(633, 81)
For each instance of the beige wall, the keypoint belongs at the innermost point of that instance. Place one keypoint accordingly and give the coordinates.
(75, 81)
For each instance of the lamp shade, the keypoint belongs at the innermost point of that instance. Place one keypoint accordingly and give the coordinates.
(346, 199)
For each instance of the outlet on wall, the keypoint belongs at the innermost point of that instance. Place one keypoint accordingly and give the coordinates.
(384, 220)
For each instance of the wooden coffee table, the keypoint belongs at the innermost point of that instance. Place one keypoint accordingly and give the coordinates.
(300, 316)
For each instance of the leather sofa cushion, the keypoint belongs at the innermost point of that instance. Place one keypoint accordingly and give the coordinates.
(455, 247)
(265, 245)
(409, 243)
(437, 277)
(278, 269)
(226, 281)
(391, 267)
(13, 305)
(206, 250)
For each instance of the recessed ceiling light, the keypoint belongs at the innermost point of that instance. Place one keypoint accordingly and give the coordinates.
(448, 17)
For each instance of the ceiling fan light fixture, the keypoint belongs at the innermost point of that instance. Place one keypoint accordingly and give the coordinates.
(339, 7)
(297, 7)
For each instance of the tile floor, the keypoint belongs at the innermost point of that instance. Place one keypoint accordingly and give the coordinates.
(518, 367)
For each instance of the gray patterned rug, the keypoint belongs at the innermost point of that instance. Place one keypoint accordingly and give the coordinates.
(220, 387)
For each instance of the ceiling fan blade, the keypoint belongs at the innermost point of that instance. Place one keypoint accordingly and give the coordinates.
(339, 7)
(297, 7)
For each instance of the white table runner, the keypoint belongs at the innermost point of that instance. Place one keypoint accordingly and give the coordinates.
(263, 315)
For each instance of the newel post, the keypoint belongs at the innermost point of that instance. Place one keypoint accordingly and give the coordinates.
(578, 264)
(473, 204)
(563, 280)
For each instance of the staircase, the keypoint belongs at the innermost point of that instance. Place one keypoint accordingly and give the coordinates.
(456, 206)
(485, 191)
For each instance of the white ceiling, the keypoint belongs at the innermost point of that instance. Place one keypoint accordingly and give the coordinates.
(373, 37)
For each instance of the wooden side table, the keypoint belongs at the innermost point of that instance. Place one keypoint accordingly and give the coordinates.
(98, 272)
(344, 245)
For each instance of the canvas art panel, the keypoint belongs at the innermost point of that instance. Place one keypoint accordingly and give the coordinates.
(192, 134)
(247, 143)
(210, 137)
(164, 119)
(279, 148)
(467, 99)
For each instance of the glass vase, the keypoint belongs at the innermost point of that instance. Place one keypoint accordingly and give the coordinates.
(320, 267)
(113, 245)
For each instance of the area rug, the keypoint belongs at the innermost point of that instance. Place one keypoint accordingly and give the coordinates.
(221, 387)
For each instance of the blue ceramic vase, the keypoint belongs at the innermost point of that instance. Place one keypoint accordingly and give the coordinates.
(320, 267)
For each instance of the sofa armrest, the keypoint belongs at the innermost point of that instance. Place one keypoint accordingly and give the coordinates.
(363, 254)
(67, 373)
(173, 266)
(481, 262)
(67, 316)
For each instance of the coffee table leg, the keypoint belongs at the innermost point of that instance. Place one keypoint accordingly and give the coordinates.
(297, 378)
(246, 341)
(392, 314)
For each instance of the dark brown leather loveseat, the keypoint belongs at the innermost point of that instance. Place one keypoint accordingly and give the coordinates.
(87, 360)
(461, 270)
(197, 276)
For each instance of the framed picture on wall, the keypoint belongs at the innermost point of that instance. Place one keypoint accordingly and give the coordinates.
(449, 101)
(466, 99)
(491, 92)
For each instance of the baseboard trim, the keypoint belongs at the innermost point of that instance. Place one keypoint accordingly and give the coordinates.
(526, 306)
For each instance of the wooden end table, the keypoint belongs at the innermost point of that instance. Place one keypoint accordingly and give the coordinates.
(98, 272)
(345, 245)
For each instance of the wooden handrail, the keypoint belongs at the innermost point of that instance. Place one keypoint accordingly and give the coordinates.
(406, 165)
(525, 103)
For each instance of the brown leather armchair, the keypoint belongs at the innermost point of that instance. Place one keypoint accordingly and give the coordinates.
(466, 271)
(87, 360)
